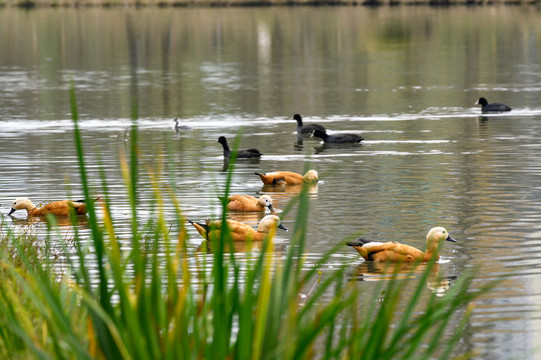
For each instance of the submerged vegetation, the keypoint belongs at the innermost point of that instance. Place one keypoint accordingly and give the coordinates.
(153, 303)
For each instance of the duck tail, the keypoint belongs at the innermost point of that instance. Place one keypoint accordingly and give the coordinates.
(359, 242)
(83, 200)
(196, 224)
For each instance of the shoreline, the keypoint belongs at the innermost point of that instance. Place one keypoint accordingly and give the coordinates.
(30, 4)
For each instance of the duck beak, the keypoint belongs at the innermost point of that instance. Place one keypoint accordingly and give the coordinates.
(11, 211)
(449, 238)
(271, 208)
(283, 227)
(477, 102)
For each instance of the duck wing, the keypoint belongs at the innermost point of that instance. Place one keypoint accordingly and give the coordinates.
(387, 251)
(242, 203)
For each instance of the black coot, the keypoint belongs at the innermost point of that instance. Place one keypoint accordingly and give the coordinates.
(338, 138)
(306, 129)
(241, 154)
(494, 107)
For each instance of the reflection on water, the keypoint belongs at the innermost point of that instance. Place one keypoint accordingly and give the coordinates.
(404, 78)
(438, 281)
(343, 147)
(62, 221)
(238, 247)
(252, 218)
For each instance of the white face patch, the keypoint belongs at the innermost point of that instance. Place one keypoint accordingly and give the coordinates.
(19, 203)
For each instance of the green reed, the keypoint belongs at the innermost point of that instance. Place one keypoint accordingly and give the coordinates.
(150, 303)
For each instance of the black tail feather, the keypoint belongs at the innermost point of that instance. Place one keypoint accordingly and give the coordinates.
(223, 200)
(83, 200)
(204, 226)
(359, 242)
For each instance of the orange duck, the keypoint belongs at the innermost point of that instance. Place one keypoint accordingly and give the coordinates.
(57, 208)
(396, 252)
(249, 203)
(288, 178)
(239, 231)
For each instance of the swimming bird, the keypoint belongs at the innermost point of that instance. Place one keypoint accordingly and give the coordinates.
(179, 127)
(306, 128)
(493, 107)
(396, 252)
(249, 203)
(338, 138)
(288, 177)
(57, 208)
(241, 154)
(239, 231)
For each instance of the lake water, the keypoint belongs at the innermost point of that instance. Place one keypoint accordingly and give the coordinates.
(406, 78)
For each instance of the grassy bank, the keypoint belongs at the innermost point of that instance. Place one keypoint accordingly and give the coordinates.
(233, 3)
(152, 302)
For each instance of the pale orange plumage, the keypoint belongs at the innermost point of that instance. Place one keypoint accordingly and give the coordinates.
(249, 203)
(57, 208)
(397, 252)
(288, 177)
(239, 231)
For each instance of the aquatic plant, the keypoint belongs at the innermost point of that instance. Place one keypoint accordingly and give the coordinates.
(152, 303)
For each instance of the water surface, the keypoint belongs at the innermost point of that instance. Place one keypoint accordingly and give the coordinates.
(406, 78)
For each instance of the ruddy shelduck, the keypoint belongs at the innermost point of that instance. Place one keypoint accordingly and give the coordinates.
(249, 203)
(239, 231)
(288, 178)
(57, 208)
(396, 252)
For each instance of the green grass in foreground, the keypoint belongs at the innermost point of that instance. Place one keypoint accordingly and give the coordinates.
(147, 305)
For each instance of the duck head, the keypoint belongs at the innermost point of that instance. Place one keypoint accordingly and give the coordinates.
(311, 176)
(266, 202)
(435, 236)
(21, 203)
(269, 222)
